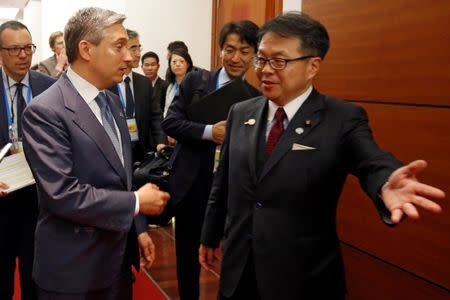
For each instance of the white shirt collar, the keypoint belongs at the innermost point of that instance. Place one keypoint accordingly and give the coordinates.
(86, 90)
(128, 75)
(290, 108)
(223, 77)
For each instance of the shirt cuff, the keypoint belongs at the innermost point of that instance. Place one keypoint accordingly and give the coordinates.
(207, 133)
(136, 208)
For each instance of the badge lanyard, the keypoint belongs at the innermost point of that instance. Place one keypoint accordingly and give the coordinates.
(5, 96)
(122, 98)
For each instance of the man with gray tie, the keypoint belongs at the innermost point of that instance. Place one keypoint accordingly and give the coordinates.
(78, 146)
(18, 209)
(144, 114)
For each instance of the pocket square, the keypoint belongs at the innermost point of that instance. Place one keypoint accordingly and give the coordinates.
(296, 147)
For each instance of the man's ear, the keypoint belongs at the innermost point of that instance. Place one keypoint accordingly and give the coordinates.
(314, 66)
(85, 50)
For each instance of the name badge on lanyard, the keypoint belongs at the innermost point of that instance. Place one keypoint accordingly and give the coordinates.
(131, 122)
(12, 127)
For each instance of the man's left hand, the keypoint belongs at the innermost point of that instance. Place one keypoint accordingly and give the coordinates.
(403, 193)
(146, 249)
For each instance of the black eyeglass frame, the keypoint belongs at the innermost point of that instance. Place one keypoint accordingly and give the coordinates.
(260, 62)
(15, 51)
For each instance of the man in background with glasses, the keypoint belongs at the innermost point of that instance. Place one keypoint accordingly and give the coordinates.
(284, 162)
(144, 114)
(18, 210)
(190, 182)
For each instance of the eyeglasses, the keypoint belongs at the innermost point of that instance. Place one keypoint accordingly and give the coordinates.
(14, 51)
(135, 49)
(276, 63)
(232, 51)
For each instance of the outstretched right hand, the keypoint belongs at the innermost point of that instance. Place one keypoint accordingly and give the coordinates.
(151, 200)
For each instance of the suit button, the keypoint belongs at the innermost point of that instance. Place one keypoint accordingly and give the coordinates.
(258, 205)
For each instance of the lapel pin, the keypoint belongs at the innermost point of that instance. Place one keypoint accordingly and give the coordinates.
(308, 123)
(299, 130)
(121, 114)
(250, 122)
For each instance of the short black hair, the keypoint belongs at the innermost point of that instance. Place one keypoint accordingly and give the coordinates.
(150, 54)
(177, 45)
(132, 34)
(14, 25)
(247, 31)
(313, 36)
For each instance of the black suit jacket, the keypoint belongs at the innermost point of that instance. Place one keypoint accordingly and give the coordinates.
(194, 158)
(148, 114)
(159, 92)
(284, 211)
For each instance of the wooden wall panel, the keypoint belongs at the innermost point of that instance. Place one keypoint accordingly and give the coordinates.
(422, 247)
(386, 281)
(395, 51)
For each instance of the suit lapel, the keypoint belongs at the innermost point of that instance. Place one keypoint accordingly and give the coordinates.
(253, 132)
(85, 119)
(308, 111)
(4, 136)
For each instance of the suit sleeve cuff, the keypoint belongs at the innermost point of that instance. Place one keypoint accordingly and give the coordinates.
(136, 207)
(207, 133)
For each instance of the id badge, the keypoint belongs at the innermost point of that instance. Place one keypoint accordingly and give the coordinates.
(16, 147)
(132, 129)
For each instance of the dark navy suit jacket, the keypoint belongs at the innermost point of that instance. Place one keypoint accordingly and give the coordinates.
(282, 208)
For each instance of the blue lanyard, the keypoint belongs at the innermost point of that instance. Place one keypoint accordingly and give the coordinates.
(5, 96)
(122, 99)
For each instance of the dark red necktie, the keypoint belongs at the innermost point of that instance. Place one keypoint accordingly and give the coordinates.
(276, 131)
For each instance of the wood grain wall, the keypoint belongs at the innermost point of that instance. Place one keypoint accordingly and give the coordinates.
(393, 58)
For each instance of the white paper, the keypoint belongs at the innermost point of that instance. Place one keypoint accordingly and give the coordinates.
(15, 172)
(4, 150)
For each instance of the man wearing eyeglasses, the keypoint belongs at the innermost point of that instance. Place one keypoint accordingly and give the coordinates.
(144, 115)
(18, 210)
(284, 162)
(196, 143)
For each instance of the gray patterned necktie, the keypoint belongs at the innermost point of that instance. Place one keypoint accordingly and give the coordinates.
(108, 120)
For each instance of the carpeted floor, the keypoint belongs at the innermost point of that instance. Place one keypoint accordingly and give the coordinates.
(143, 289)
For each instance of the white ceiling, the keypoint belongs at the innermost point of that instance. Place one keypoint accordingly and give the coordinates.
(13, 3)
(11, 9)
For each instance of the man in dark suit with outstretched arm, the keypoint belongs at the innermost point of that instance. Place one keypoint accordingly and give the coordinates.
(284, 162)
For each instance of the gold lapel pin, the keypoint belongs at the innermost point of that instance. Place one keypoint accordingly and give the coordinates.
(250, 122)
(308, 123)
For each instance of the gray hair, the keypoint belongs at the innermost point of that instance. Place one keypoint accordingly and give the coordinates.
(88, 24)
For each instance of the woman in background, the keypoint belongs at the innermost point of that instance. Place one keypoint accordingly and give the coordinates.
(180, 63)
